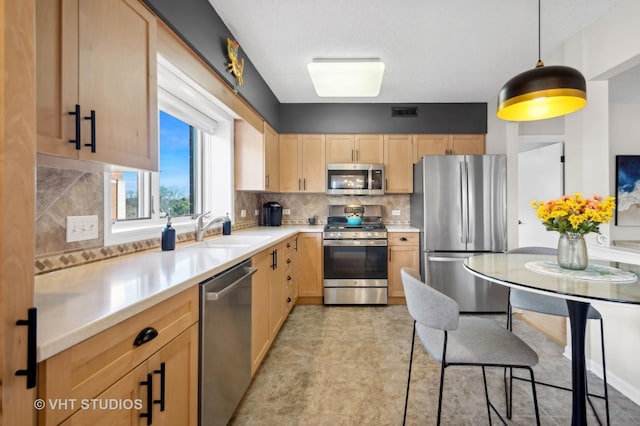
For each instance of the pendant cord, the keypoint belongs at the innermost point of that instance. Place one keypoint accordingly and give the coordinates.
(540, 63)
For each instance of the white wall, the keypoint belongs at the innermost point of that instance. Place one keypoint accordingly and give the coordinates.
(593, 136)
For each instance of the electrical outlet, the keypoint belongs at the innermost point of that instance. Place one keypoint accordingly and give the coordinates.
(286, 212)
(395, 212)
(256, 212)
(80, 228)
(243, 213)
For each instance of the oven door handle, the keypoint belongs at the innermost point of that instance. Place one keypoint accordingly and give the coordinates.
(355, 243)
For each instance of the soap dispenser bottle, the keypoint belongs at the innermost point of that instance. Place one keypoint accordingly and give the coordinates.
(226, 225)
(168, 236)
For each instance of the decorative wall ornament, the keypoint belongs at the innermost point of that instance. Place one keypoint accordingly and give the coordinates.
(628, 190)
(235, 65)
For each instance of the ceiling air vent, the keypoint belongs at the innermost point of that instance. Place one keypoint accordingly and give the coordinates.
(404, 111)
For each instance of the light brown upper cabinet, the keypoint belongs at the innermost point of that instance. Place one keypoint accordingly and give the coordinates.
(398, 163)
(432, 144)
(302, 163)
(355, 149)
(96, 81)
(256, 157)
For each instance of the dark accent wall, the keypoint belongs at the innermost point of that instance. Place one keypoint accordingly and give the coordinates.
(376, 118)
(197, 23)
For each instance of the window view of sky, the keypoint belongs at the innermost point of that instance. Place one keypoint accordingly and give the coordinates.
(175, 151)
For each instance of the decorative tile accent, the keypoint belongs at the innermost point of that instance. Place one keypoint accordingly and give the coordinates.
(62, 193)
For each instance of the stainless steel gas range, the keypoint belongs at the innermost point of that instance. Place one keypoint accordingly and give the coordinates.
(355, 257)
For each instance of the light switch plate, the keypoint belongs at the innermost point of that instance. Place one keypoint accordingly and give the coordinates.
(395, 212)
(243, 213)
(286, 212)
(256, 212)
(80, 228)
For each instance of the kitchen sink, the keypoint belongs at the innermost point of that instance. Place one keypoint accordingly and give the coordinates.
(231, 241)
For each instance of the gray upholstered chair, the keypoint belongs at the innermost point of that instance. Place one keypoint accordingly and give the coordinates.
(556, 306)
(452, 340)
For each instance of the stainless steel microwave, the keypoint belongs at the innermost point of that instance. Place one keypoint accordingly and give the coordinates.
(355, 179)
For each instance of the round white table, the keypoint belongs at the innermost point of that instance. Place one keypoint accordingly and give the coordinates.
(511, 270)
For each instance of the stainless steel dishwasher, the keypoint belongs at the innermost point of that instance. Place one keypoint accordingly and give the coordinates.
(225, 343)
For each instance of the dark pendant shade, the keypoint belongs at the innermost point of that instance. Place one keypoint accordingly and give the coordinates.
(543, 92)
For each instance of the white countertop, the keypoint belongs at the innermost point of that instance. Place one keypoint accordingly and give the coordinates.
(77, 303)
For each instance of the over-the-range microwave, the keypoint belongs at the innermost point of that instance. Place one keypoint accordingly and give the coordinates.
(355, 178)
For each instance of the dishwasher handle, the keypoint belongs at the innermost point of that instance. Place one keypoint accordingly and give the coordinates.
(213, 296)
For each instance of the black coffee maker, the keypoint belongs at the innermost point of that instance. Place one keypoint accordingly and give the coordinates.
(271, 214)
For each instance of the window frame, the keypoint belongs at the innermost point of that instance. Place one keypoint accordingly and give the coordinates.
(205, 167)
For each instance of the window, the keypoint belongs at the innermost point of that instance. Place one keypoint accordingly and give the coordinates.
(196, 158)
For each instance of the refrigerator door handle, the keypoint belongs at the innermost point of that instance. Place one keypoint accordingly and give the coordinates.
(464, 203)
(446, 259)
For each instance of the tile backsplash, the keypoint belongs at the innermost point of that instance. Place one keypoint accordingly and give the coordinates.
(61, 193)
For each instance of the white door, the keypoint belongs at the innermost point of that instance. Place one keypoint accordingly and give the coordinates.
(540, 178)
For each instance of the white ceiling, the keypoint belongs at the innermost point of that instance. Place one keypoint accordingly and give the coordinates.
(434, 50)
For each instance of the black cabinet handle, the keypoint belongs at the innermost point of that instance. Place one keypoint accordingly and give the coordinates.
(32, 326)
(288, 300)
(288, 260)
(92, 117)
(288, 245)
(403, 239)
(162, 373)
(76, 141)
(147, 334)
(149, 384)
(288, 277)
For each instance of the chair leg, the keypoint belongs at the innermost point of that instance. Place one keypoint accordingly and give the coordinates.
(604, 373)
(406, 398)
(443, 364)
(440, 393)
(486, 394)
(509, 398)
(535, 397)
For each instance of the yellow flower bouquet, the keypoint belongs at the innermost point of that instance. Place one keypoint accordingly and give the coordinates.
(574, 214)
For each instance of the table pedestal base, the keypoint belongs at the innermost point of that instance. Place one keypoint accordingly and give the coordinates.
(578, 321)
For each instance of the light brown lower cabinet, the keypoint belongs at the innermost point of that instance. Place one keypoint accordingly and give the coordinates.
(109, 380)
(403, 252)
(310, 271)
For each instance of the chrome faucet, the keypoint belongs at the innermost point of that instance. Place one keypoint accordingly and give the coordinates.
(202, 226)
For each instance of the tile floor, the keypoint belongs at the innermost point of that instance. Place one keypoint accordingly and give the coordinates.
(348, 366)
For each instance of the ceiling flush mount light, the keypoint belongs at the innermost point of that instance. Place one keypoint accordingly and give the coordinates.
(346, 77)
(543, 92)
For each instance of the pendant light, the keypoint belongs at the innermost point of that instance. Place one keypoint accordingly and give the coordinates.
(543, 92)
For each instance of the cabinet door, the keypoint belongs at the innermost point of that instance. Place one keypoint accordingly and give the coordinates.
(260, 332)
(369, 149)
(340, 148)
(277, 298)
(177, 365)
(56, 76)
(313, 163)
(128, 390)
(271, 158)
(310, 255)
(121, 88)
(403, 252)
(467, 144)
(398, 164)
(429, 145)
(290, 173)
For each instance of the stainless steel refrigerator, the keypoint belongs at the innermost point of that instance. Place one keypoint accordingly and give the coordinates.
(459, 203)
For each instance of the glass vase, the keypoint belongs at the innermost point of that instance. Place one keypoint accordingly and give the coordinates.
(572, 251)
